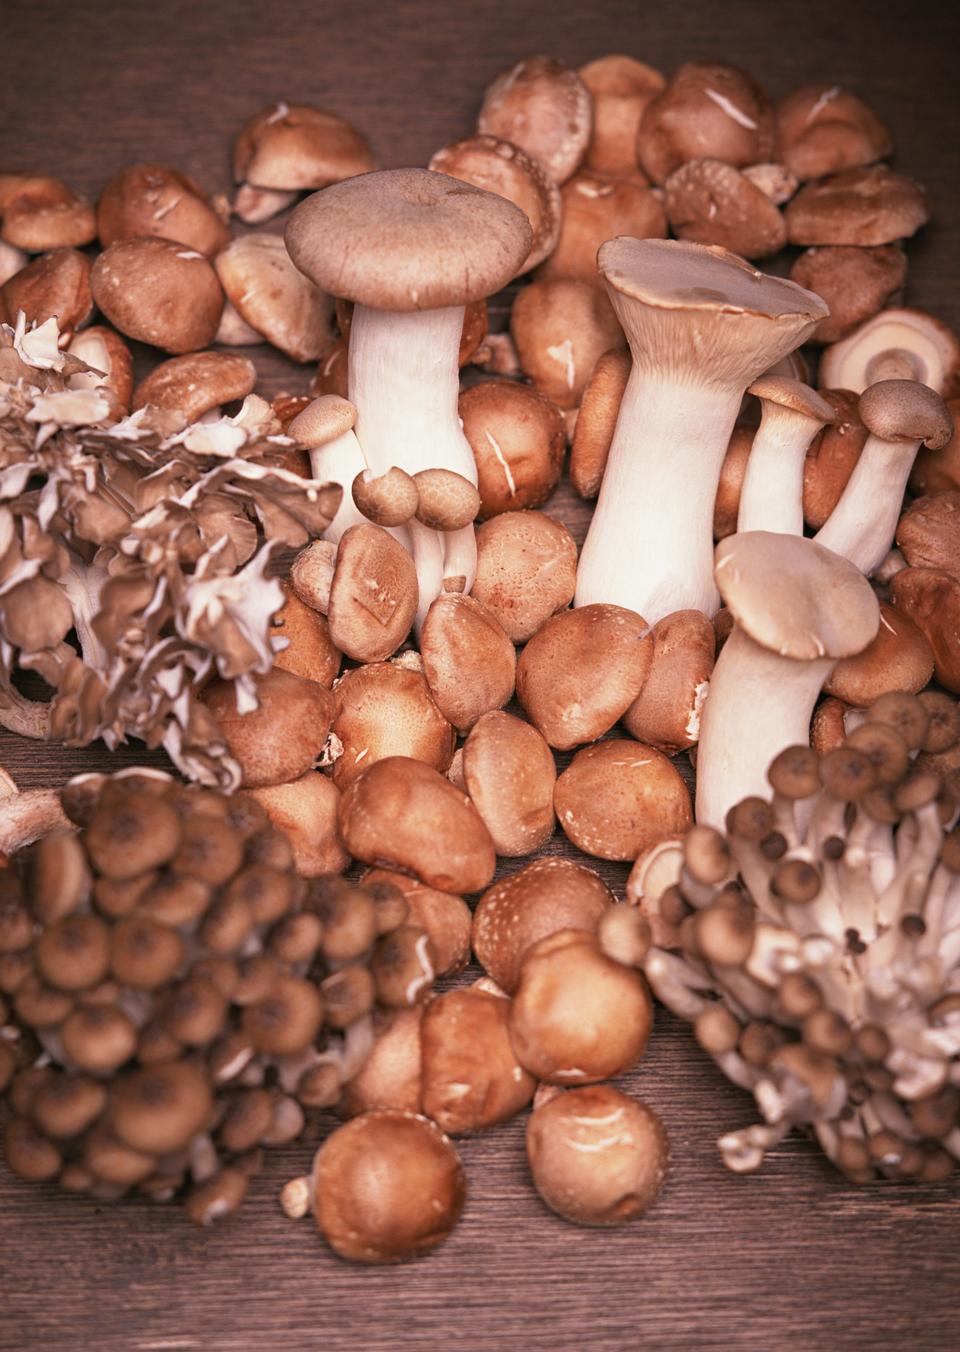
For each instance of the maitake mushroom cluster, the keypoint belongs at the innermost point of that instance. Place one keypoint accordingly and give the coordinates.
(815, 946)
(173, 994)
(144, 538)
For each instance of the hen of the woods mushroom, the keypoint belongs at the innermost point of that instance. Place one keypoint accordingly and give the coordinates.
(145, 538)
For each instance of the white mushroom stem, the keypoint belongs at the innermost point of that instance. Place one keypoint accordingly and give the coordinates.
(650, 543)
(772, 494)
(862, 525)
(404, 380)
(759, 704)
(340, 461)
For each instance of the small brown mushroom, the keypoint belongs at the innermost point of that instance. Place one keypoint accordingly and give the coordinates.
(899, 658)
(621, 88)
(526, 570)
(619, 797)
(305, 810)
(389, 499)
(468, 660)
(666, 713)
(373, 595)
(387, 709)
(710, 202)
(857, 206)
(447, 500)
(158, 292)
(823, 128)
(855, 282)
(197, 383)
(444, 917)
(543, 106)
(283, 737)
(928, 533)
(55, 285)
(517, 438)
(931, 599)
(561, 327)
(509, 773)
(939, 471)
(273, 297)
(391, 1075)
(41, 213)
(158, 1109)
(152, 199)
(582, 670)
(387, 1186)
(831, 458)
(597, 420)
(733, 471)
(596, 207)
(309, 652)
(596, 1156)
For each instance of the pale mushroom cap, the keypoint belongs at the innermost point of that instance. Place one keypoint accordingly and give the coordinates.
(292, 146)
(905, 410)
(794, 597)
(324, 419)
(746, 319)
(793, 394)
(927, 345)
(408, 239)
(857, 206)
(543, 106)
(273, 297)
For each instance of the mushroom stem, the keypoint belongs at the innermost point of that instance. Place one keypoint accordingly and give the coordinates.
(862, 525)
(661, 477)
(772, 494)
(24, 817)
(404, 380)
(340, 461)
(759, 704)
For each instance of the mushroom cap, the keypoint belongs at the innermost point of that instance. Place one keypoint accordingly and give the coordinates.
(824, 128)
(713, 203)
(855, 282)
(795, 597)
(408, 239)
(794, 395)
(899, 658)
(759, 318)
(197, 382)
(273, 297)
(595, 208)
(158, 292)
(543, 106)
(324, 419)
(857, 206)
(289, 146)
(526, 570)
(906, 336)
(929, 532)
(905, 410)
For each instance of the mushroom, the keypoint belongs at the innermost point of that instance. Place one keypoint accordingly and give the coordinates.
(616, 799)
(56, 285)
(899, 415)
(504, 168)
(798, 609)
(305, 810)
(468, 660)
(543, 106)
(517, 437)
(824, 128)
(621, 88)
(386, 1186)
(509, 773)
(373, 594)
(288, 147)
(666, 713)
(526, 570)
(687, 309)
(398, 244)
(598, 207)
(831, 457)
(710, 202)
(899, 658)
(596, 1156)
(856, 284)
(928, 533)
(387, 709)
(197, 383)
(561, 327)
(597, 420)
(152, 199)
(283, 737)
(857, 206)
(273, 298)
(931, 599)
(41, 213)
(444, 917)
(895, 344)
(158, 292)
(771, 497)
(112, 367)
(939, 471)
(309, 650)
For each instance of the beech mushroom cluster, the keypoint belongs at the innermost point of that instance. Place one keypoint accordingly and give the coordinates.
(175, 995)
(814, 943)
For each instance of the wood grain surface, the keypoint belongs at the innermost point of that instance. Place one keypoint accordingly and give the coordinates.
(790, 1258)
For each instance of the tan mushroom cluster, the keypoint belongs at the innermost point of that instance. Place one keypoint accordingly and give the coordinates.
(174, 996)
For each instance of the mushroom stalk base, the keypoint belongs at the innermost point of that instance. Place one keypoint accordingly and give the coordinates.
(759, 703)
(404, 378)
(650, 543)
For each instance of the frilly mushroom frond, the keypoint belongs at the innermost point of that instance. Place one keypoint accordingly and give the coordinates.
(815, 946)
(150, 540)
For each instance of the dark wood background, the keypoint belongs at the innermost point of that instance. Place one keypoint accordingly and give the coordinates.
(793, 1257)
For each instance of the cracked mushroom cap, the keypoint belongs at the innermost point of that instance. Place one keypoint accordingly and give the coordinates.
(794, 597)
(292, 146)
(712, 203)
(746, 319)
(408, 239)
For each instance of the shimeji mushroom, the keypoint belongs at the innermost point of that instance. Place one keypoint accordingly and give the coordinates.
(798, 609)
(411, 248)
(900, 415)
(702, 325)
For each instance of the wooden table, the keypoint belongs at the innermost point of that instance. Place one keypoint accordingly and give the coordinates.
(793, 1257)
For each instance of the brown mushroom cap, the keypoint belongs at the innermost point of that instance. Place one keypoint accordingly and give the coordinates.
(57, 285)
(386, 709)
(931, 599)
(561, 327)
(905, 411)
(509, 773)
(41, 213)
(468, 660)
(288, 146)
(597, 421)
(794, 597)
(388, 1186)
(666, 713)
(929, 533)
(153, 199)
(273, 297)
(726, 507)
(894, 344)
(373, 595)
(823, 128)
(620, 797)
(471, 1077)
(390, 1076)
(504, 168)
(577, 1015)
(310, 651)
(526, 570)
(855, 282)
(706, 109)
(283, 737)
(710, 202)
(543, 106)
(158, 292)
(196, 383)
(408, 239)
(831, 457)
(402, 814)
(596, 1156)
(621, 88)
(305, 810)
(899, 658)
(389, 499)
(446, 500)
(158, 1109)
(540, 899)
(597, 207)
(582, 670)
(445, 918)
(857, 206)
(518, 438)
